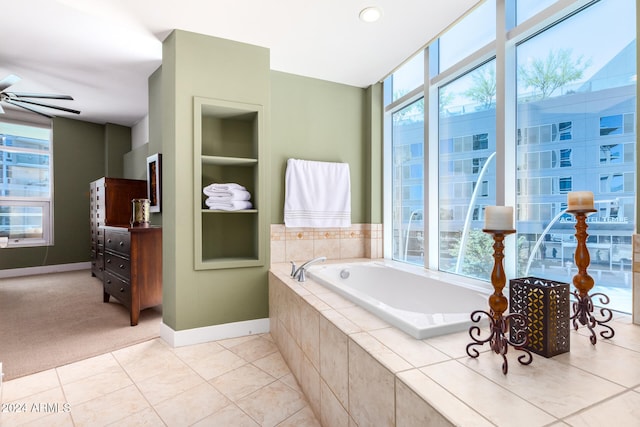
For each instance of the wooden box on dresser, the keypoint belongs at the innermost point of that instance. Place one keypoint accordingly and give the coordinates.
(133, 267)
(110, 204)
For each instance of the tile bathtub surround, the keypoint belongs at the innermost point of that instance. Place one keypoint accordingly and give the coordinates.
(302, 244)
(364, 372)
(240, 382)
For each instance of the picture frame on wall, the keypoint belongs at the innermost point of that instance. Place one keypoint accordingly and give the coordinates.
(154, 182)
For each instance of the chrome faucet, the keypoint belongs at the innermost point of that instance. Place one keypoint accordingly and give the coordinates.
(299, 273)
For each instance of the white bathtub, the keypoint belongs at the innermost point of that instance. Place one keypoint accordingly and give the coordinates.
(414, 300)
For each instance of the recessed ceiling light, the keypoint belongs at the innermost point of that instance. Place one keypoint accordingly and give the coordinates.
(370, 14)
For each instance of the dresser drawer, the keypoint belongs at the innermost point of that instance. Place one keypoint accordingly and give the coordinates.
(117, 241)
(117, 265)
(117, 288)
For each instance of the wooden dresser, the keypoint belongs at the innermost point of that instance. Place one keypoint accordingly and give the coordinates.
(133, 267)
(110, 204)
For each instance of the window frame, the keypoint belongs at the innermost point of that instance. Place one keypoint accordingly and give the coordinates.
(503, 48)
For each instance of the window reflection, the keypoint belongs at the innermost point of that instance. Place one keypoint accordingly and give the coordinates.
(577, 95)
(574, 129)
(467, 171)
(408, 183)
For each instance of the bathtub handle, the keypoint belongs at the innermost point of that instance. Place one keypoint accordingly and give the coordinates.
(293, 268)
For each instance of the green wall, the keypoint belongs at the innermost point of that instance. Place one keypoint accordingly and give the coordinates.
(73, 141)
(135, 163)
(374, 155)
(317, 120)
(82, 152)
(117, 144)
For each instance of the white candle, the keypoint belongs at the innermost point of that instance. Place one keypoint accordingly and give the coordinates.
(498, 218)
(580, 200)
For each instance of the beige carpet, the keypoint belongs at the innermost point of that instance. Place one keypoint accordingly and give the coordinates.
(51, 320)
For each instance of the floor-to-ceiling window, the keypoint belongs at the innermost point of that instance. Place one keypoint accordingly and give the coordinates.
(567, 123)
(576, 92)
(407, 162)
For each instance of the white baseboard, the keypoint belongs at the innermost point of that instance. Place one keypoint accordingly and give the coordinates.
(213, 333)
(45, 269)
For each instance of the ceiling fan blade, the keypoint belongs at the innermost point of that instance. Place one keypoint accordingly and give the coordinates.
(38, 95)
(8, 81)
(56, 107)
(33, 110)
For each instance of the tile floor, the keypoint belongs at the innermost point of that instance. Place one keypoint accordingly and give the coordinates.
(235, 382)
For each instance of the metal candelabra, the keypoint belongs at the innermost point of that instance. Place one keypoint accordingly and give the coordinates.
(498, 304)
(583, 282)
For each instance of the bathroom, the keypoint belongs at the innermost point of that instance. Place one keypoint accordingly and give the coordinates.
(304, 122)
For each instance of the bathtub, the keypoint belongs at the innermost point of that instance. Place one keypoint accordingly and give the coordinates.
(414, 300)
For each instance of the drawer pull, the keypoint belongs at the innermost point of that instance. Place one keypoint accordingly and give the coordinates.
(122, 266)
(108, 240)
(121, 243)
(121, 289)
(108, 260)
(108, 281)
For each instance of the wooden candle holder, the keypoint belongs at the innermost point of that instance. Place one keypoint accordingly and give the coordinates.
(498, 304)
(583, 282)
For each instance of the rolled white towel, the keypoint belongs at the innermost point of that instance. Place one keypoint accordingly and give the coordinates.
(224, 195)
(232, 205)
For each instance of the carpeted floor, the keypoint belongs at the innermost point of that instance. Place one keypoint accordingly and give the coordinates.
(54, 319)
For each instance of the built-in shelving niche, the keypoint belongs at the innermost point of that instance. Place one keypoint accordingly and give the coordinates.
(227, 149)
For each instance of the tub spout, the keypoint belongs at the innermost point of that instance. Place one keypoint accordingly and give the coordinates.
(299, 273)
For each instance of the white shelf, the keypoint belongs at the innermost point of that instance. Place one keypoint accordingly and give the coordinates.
(228, 161)
(220, 211)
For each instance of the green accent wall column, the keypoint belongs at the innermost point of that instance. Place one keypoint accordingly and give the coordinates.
(374, 155)
(202, 66)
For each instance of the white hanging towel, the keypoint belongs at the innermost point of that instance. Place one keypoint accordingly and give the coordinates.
(317, 194)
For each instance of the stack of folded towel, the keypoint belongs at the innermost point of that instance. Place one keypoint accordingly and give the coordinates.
(227, 197)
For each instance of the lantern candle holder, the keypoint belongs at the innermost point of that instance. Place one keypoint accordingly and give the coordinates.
(545, 303)
(499, 323)
(583, 282)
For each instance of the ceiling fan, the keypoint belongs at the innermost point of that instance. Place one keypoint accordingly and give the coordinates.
(25, 100)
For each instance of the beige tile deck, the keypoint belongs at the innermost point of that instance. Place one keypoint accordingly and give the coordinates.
(437, 383)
